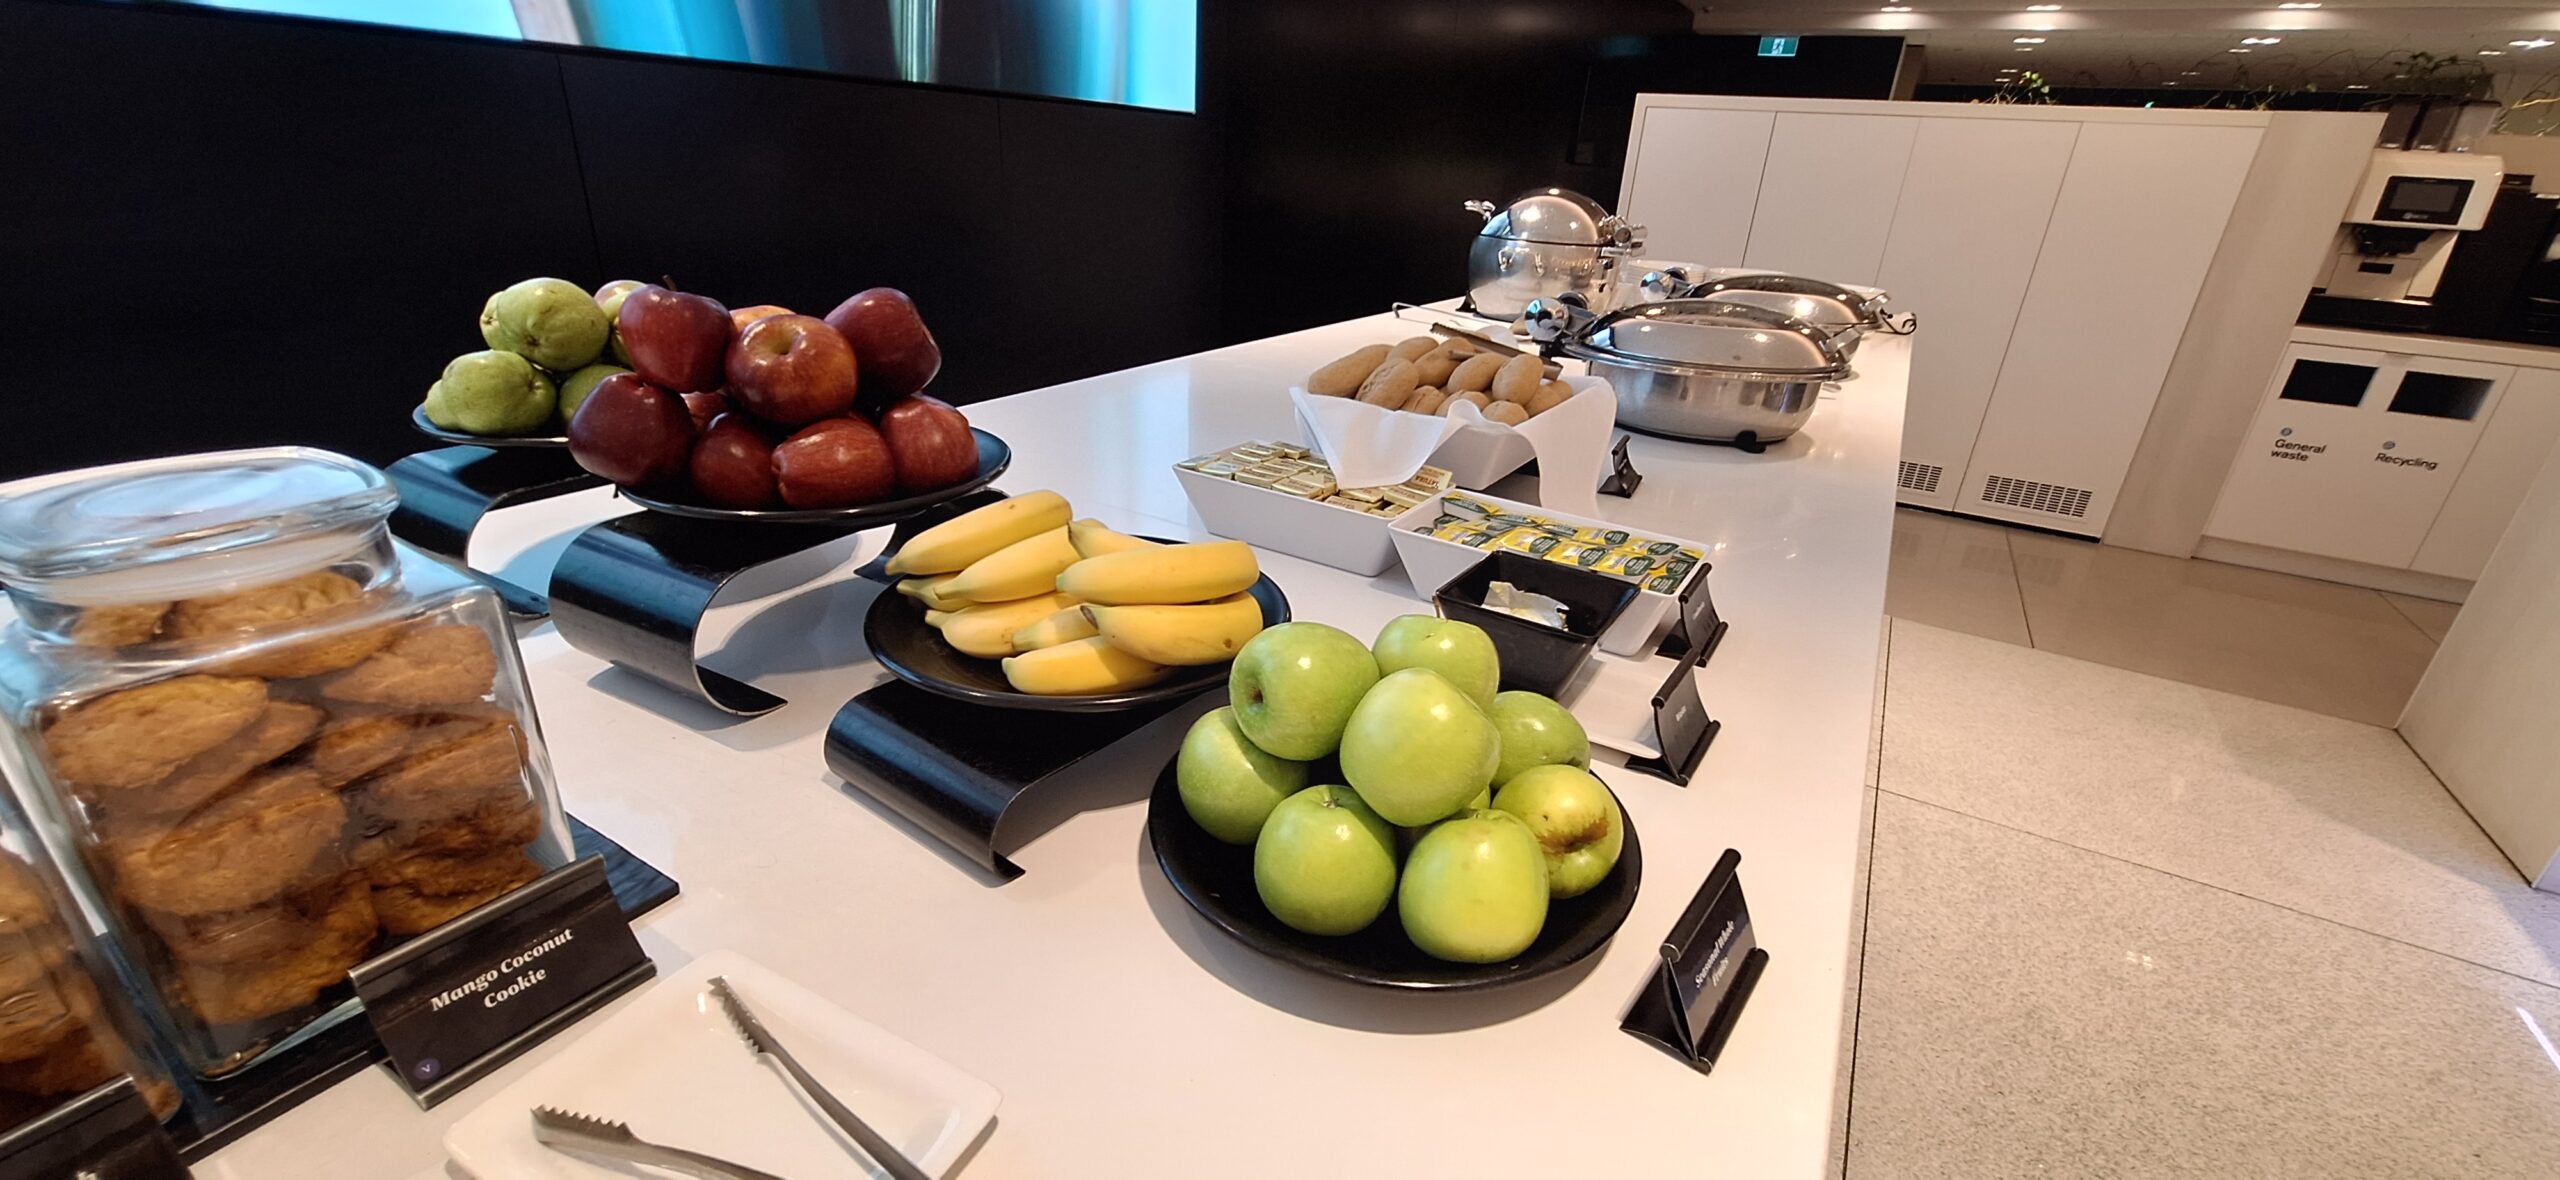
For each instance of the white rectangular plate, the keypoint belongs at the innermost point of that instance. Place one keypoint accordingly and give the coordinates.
(670, 1066)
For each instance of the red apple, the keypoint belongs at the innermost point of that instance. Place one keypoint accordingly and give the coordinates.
(733, 464)
(706, 406)
(898, 355)
(740, 317)
(835, 463)
(930, 443)
(792, 369)
(677, 341)
(631, 432)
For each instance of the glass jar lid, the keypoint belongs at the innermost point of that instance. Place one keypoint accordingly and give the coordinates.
(186, 526)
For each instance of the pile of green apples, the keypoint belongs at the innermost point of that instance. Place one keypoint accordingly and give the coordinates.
(1467, 807)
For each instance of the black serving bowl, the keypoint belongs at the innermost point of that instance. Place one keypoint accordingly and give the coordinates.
(1217, 879)
(1536, 657)
(993, 457)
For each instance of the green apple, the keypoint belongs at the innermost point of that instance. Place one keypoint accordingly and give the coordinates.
(1325, 863)
(1407, 837)
(609, 297)
(575, 387)
(1535, 731)
(1576, 821)
(1475, 889)
(551, 322)
(1460, 651)
(1229, 785)
(1418, 748)
(1293, 688)
(492, 393)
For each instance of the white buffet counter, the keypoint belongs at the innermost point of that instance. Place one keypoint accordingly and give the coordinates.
(1128, 1037)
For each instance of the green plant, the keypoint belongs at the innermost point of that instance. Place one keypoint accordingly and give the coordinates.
(2028, 87)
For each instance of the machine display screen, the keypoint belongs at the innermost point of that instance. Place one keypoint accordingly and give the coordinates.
(2431, 199)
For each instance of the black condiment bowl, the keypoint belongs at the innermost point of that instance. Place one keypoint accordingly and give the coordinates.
(1537, 657)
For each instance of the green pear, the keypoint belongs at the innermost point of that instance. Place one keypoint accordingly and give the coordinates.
(1535, 731)
(551, 322)
(575, 387)
(1229, 785)
(492, 393)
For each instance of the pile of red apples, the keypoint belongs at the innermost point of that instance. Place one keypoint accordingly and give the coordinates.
(765, 408)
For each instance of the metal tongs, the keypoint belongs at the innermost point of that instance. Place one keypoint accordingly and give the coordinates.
(762, 1042)
(562, 1130)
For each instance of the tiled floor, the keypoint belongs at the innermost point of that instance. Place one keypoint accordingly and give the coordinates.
(2341, 650)
(2123, 925)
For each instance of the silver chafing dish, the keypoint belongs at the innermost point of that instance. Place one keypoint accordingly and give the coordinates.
(1845, 312)
(1544, 244)
(1705, 369)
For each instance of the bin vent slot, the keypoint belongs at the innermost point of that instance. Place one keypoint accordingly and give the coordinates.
(2441, 395)
(2329, 383)
(1921, 477)
(2036, 497)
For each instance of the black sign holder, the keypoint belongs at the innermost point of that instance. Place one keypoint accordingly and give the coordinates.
(1696, 630)
(1710, 964)
(1623, 478)
(216, 1113)
(106, 1134)
(445, 492)
(1682, 730)
(929, 758)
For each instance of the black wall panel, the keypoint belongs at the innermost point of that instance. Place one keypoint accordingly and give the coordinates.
(218, 232)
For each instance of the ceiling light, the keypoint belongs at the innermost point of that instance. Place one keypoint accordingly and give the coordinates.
(2171, 82)
(1897, 8)
(2240, 51)
(2295, 4)
(2536, 43)
(2189, 73)
(2493, 53)
(2358, 86)
(2260, 40)
(2026, 49)
(2026, 40)
(2044, 8)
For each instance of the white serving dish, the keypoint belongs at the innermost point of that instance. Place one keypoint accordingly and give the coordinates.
(1328, 534)
(670, 1066)
(1430, 562)
(1478, 453)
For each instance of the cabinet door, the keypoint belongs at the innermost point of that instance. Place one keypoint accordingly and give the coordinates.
(1962, 247)
(2140, 215)
(2516, 442)
(1696, 179)
(1827, 194)
(2355, 452)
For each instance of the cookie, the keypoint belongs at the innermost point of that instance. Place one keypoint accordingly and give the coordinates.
(262, 607)
(33, 1021)
(317, 656)
(496, 821)
(23, 903)
(264, 931)
(350, 748)
(451, 779)
(408, 910)
(448, 874)
(443, 664)
(237, 851)
(232, 994)
(76, 1064)
(136, 736)
(277, 732)
(118, 626)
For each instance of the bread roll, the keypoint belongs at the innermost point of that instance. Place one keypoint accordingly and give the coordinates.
(1518, 379)
(1391, 386)
(1342, 378)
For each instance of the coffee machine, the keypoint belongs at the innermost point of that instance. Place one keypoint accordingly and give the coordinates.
(2398, 233)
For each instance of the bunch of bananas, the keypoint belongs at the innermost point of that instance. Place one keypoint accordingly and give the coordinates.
(1071, 607)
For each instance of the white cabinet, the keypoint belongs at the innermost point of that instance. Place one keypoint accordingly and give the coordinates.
(1855, 163)
(2140, 214)
(1694, 191)
(1961, 251)
(2355, 452)
(2512, 449)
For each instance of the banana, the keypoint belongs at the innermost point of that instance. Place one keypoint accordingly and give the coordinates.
(1081, 668)
(1018, 570)
(1208, 633)
(1066, 626)
(987, 631)
(1162, 575)
(928, 589)
(1092, 538)
(955, 543)
(936, 618)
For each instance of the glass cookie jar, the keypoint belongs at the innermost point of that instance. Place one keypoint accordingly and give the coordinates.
(264, 739)
(62, 1034)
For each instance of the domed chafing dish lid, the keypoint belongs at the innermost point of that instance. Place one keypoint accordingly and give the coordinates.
(1713, 338)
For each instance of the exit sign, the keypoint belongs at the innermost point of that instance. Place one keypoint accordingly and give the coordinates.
(1779, 46)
